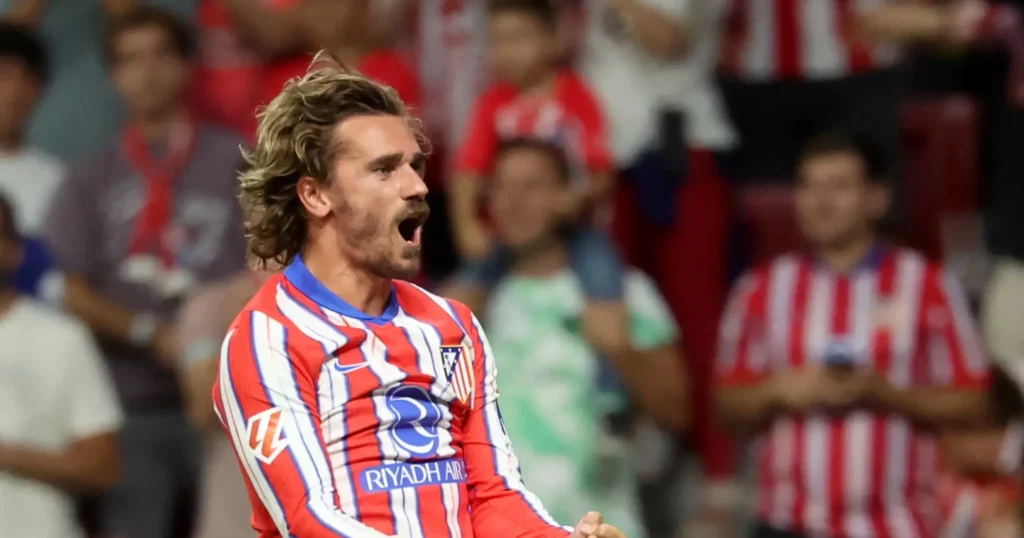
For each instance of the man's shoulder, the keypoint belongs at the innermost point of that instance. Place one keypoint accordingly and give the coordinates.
(55, 326)
(414, 297)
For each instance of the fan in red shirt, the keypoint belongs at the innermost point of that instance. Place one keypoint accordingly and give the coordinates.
(844, 364)
(532, 98)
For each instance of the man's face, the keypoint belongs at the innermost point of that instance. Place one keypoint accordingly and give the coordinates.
(149, 71)
(525, 193)
(520, 46)
(19, 91)
(835, 201)
(377, 195)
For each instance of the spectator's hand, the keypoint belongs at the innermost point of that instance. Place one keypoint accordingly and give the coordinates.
(800, 390)
(474, 242)
(847, 388)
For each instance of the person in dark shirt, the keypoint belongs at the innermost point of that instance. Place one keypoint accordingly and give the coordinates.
(136, 227)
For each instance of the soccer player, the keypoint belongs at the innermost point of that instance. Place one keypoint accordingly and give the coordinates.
(358, 404)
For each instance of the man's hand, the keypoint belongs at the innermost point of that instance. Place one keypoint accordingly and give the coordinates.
(800, 390)
(593, 526)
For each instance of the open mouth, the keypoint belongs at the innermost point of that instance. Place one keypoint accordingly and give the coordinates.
(411, 229)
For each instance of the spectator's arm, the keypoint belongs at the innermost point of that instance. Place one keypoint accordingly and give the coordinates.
(949, 24)
(985, 452)
(473, 161)
(92, 461)
(75, 240)
(26, 12)
(641, 341)
(271, 32)
(956, 395)
(746, 395)
(658, 26)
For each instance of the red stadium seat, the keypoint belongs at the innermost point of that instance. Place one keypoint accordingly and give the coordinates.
(767, 213)
(940, 167)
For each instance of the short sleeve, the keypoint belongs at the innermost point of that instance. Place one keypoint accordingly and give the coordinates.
(481, 141)
(741, 352)
(651, 321)
(92, 405)
(955, 353)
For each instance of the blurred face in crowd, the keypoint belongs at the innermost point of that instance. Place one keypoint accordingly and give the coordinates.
(835, 202)
(374, 203)
(525, 191)
(19, 92)
(149, 71)
(522, 47)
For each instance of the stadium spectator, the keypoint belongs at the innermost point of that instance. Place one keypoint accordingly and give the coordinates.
(842, 363)
(795, 69)
(537, 99)
(224, 509)
(533, 97)
(136, 226)
(244, 47)
(546, 348)
(28, 176)
(60, 419)
(672, 209)
(346, 30)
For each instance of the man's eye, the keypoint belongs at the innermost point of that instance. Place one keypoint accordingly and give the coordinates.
(384, 170)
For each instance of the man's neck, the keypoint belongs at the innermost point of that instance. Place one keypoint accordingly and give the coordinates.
(366, 292)
(541, 85)
(10, 143)
(157, 127)
(541, 260)
(847, 256)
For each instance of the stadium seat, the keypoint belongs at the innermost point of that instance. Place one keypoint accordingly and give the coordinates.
(766, 214)
(940, 167)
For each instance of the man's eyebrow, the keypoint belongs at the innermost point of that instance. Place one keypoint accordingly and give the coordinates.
(391, 161)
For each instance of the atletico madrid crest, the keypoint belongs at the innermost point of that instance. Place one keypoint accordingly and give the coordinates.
(458, 366)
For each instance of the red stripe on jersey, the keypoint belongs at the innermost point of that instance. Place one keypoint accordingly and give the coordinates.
(858, 56)
(788, 54)
(837, 426)
(801, 295)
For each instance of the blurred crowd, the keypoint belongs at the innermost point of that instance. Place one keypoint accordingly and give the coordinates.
(729, 253)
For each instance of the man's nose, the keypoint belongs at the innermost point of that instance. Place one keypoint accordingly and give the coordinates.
(413, 185)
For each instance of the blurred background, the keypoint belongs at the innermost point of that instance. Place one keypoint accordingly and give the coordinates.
(671, 135)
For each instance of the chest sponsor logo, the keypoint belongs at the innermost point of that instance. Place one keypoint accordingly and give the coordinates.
(265, 434)
(458, 367)
(411, 475)
(416, 429)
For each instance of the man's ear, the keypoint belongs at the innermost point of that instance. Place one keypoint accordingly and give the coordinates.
(313, 196)
(879, 200)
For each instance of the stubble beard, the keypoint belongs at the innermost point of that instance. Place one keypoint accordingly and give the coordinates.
(371, 243)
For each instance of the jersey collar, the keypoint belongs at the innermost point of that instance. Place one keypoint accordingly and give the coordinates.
(299, 276)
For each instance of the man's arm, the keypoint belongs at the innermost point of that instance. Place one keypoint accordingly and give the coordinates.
(473, 161)
(91, 462)
(500, 504)
(658, 26)
(267, 400)
(958, 372)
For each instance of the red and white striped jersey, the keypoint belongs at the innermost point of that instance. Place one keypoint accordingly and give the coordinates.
(865, 473)
(799, 39)
(350, 425)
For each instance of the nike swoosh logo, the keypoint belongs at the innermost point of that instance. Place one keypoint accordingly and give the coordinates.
(349, 368)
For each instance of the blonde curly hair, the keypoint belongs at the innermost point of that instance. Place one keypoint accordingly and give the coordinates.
(296, 139)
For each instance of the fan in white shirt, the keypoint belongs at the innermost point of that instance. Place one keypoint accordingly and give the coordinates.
(59, 415)
(28, 178)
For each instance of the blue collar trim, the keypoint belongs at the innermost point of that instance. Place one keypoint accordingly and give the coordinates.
(298, 274)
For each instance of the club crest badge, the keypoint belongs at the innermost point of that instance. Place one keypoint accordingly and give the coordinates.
(458, 367)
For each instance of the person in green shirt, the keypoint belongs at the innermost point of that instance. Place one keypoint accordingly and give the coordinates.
(549, 351)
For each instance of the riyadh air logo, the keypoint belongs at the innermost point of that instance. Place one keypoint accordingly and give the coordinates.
(265, 431)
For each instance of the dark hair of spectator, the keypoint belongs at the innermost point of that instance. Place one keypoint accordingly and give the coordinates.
(550, 150)
(8, 228)
(834, 142)
(179, 32)
(22, 44)
(542, 10)
(296, 139)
